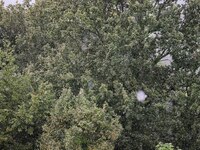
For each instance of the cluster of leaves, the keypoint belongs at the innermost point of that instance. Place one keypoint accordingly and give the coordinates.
(166, 146)
(70, 70)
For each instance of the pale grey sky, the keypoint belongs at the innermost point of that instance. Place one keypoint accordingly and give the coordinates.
(181, 1)
(7, 2)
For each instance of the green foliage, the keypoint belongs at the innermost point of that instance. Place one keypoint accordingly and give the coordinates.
(103, 52)
(166, 146)
(14, 89)
(77, 123)
(23, 108)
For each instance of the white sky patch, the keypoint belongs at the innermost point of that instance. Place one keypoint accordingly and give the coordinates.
(197, 71)
(13, 2)
(181, 2)
(166, 61)
(7, 2)
(141, 96)
(178, 2)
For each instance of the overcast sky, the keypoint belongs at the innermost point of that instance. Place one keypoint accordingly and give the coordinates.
(7, 2)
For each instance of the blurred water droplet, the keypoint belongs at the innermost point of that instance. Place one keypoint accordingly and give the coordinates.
(141, 96)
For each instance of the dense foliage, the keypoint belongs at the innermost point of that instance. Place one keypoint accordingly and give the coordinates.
(70, 71)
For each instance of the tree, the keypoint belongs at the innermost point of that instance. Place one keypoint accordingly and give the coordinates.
(111, 49)
(76, 123)
(120, 52)
(24, 106)
(166, 146)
